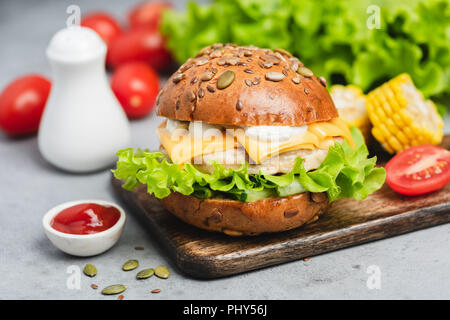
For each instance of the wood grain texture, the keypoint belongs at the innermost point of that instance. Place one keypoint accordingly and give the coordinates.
(204, 254)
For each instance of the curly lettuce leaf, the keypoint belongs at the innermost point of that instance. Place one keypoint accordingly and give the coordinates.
(346, 172)
(331, 37)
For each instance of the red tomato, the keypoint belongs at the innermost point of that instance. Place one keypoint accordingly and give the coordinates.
(419, 170)
(102, 23)
(22, 103)
(136, 86)
(147, 14)
(139, 45)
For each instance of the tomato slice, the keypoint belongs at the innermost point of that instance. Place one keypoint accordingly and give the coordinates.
(419, 170)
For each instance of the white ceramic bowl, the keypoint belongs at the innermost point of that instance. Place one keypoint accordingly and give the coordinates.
(83, 245)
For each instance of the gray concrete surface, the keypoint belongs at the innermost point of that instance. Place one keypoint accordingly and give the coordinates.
(412, 266)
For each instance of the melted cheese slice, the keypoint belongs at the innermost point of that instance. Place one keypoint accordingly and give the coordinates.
(319, 135)
(182, 147)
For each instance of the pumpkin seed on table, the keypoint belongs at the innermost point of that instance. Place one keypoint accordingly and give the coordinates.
(90, 270)
(146, 273)
(114, 289)
(162, 272)
(130, 265)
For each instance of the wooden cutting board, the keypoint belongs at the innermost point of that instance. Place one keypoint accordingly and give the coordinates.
(204, 254)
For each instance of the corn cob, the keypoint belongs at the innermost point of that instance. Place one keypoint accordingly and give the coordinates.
(351, 104)
(401, 117)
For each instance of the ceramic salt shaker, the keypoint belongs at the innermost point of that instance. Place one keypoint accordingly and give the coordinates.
(83, 125)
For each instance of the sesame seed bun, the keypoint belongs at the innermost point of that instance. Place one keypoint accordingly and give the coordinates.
(233, 85)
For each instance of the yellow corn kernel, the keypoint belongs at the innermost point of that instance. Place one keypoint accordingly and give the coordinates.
(390, 125)
(401, 117)
(375, 120)
(398, 120)
(384, 132)
(395, 144)
(376, 132)
(403, 138)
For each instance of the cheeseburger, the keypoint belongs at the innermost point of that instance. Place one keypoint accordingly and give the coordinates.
(251, 143)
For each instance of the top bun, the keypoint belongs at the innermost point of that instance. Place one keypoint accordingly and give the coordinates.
(233, 85)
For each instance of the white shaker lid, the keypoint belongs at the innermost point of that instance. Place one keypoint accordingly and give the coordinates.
(75, 44)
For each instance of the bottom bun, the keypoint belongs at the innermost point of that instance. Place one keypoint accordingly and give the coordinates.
(236, 218)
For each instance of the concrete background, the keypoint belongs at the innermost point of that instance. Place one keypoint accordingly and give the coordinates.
(412, 266)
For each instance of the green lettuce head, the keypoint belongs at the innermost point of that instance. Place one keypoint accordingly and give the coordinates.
(360, 42)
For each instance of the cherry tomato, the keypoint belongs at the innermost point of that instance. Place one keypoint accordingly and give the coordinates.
(102, 23)
(136, 86)
(419, 170)
(147, 14)
(22, 103)
(139, 45)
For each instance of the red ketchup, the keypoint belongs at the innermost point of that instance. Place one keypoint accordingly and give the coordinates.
(85, 218)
